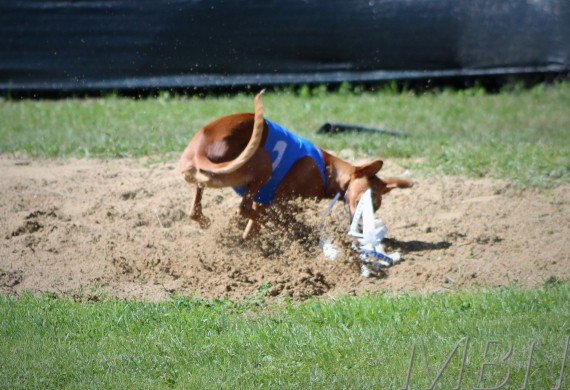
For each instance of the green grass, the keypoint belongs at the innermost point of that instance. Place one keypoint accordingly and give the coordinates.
(363, 342)
(518, 135)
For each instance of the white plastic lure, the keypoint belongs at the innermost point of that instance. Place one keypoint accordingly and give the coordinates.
(370, 233)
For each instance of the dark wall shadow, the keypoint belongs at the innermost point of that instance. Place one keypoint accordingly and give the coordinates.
(414, 245)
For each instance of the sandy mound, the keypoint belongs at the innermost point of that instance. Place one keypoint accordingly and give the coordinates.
(75, 224)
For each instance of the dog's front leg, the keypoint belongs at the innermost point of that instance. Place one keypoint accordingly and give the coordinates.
(246, 208)
(196, 208)
(253, 226)
(257, 172)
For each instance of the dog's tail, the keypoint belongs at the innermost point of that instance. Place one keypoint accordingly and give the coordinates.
(251, 147)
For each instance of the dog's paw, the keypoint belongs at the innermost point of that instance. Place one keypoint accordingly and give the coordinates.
(202, 220)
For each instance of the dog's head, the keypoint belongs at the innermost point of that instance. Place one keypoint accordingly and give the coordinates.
(364, 177)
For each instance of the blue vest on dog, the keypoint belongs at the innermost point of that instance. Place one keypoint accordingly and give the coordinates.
(285, 149)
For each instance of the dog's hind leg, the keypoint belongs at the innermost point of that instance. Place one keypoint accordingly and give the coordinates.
(196, 208)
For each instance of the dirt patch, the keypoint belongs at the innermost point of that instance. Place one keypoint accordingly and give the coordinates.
(67, 225)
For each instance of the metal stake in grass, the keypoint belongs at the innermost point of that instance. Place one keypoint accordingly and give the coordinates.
(334, 128)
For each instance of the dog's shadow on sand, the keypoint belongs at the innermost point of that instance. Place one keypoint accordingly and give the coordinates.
(414, 245)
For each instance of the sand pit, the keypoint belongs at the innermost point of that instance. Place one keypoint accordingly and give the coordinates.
(76, 224)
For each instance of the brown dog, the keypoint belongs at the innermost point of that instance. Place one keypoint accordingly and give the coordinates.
(233, 151)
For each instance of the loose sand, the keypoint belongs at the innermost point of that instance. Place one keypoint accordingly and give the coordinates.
(67, 225)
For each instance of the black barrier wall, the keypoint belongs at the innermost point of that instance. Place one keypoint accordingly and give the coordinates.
(183, 43)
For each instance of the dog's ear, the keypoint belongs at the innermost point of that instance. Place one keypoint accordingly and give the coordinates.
(392, 183)
(369, 169)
